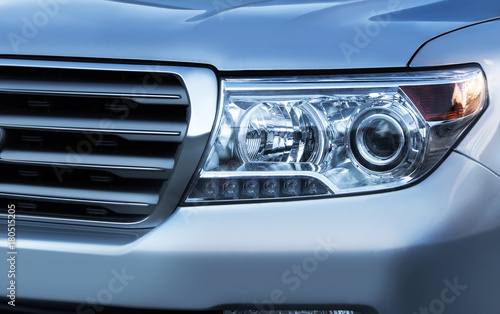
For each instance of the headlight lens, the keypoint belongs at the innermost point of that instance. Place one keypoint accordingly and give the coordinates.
(378, 140)
(309, 136)
(279, 132)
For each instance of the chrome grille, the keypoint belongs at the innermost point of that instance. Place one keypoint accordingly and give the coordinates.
(90, 143)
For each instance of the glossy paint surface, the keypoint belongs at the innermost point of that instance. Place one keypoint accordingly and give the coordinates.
(236, 34)
(391, 251)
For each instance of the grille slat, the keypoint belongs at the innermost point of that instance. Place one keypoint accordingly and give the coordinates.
(88, 161)
(168, 128)
(88, 144)
(97, 196)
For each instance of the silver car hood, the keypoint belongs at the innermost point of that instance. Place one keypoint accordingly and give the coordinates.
(235, 35)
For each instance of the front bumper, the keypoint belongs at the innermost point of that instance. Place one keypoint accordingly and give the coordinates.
(394, 251)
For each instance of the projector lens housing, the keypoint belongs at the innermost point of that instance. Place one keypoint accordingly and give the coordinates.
(380, 139)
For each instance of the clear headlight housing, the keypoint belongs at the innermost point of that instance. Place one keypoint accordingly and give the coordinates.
(335, 135)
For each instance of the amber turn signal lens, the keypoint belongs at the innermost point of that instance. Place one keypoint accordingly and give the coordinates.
(441, 102)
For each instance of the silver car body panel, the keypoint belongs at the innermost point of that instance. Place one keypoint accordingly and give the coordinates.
(236, 35)
(391, 251)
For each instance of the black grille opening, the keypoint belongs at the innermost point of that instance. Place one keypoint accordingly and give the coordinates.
(148, 78)
(86, 143)
(78, 178)
(68, 210)
(89, 107)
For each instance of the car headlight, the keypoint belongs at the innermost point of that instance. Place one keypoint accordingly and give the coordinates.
(334, 135)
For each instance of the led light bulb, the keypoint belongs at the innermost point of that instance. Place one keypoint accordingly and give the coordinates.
(230, 189)
(211, 189)
(270, 188)
(250, 189)
(290, 187)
